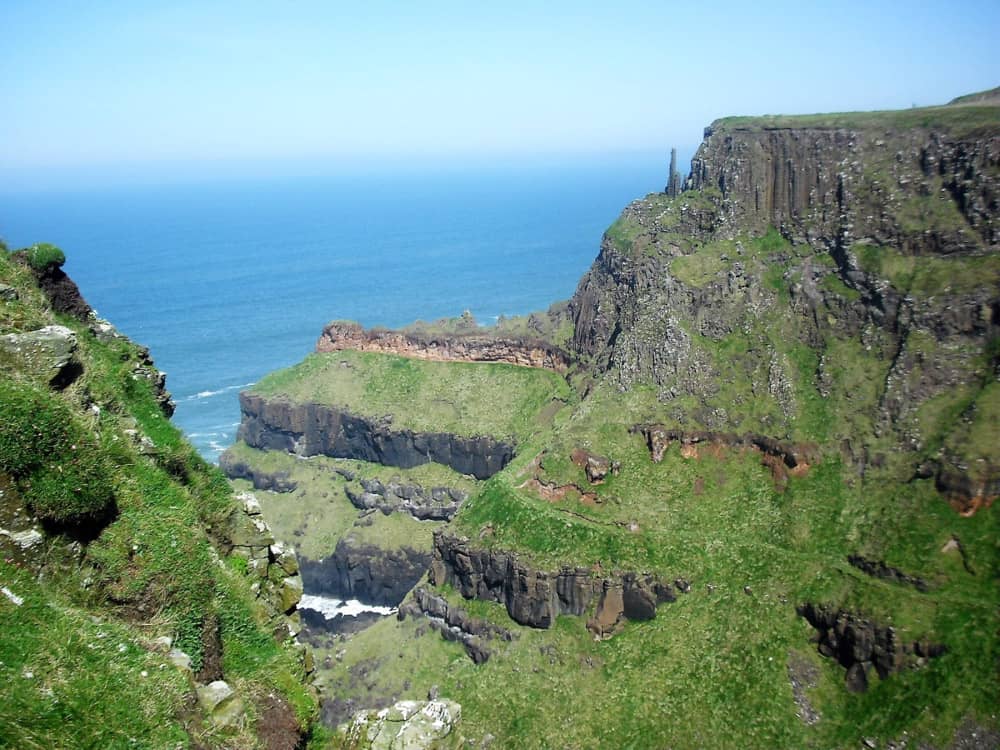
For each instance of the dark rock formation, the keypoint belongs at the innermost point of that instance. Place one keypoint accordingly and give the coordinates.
(861, 645)
(60, 290)
(878, 569)
(451, 347)
(370, 574)
(314, 429)
(434, 504)
(455, 624)
(235, 468)
(535, 598)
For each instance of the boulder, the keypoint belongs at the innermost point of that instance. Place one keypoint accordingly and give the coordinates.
(220, 703)
(48, 350)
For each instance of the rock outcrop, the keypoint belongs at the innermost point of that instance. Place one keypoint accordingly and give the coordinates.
(48, 351)
(424, 504)
(316, 429)
(455, 624)
(536, 597)
(235, 468)
(451, 347)
(861, 645)
(365, 572)
(406, 725)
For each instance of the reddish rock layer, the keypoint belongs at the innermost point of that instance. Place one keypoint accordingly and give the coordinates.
(473, 347)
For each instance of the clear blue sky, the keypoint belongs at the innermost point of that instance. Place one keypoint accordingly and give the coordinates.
(113, 85)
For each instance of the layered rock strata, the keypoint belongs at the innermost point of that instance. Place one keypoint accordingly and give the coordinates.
(536, 597)
(317, 429)
(452, 347)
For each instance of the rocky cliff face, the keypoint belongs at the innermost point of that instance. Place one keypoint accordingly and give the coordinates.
(796, 242)
(365, 572)
(470, 347)
(314, 429)
(536, 597)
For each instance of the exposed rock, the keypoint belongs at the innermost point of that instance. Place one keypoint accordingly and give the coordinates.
(860, 644)
(62, 292)
(365, 572)
(8, 293)
(406, 725)
(48, 351)
(235, 468)
(455, 624)
(595, 467)
(435, 504)
(802, 676)
(452, 347)
(316, 429)
(220, 703)
(534, 597)
(793, 455)
(878, 569)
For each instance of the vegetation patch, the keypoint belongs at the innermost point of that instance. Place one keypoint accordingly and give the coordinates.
(499, 400)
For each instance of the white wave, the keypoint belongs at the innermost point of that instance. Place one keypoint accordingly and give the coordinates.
(330, 608)
(209, 394)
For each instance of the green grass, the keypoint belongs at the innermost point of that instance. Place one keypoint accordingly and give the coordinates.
(958, 120)
(90, 612)
(317, 514)
(500, 400)
(75, 681)
(927, 276)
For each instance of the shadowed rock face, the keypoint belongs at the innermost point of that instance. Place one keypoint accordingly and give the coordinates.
(861, 645)
(536, 597)
(365, 572)
(234, 468)
(315, 429)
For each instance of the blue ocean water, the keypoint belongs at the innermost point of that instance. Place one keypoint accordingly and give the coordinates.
(225, 282)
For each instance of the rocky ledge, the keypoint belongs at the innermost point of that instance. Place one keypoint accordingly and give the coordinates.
(235, 468)
(451, 347)
(317, 429)
(536, 597)
(860, 645)
(433, 504)
(455, 624)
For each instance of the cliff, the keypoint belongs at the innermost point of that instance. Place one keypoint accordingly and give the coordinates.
(144, 603)
(314, 429)
(447, 347)
(780, 400)
(864, 241)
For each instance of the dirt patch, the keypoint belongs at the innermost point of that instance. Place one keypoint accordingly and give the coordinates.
(211, 644)
(277, 727)
(802, 674)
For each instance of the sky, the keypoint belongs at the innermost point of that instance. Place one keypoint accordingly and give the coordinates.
(114, 88)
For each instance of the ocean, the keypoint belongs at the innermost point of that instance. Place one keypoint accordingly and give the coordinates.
(226, 281)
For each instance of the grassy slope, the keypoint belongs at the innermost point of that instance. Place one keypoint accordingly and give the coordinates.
(499, 400)
(711, 669)
(84, 632)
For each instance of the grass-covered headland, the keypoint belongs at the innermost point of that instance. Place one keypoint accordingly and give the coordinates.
(119, 594)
